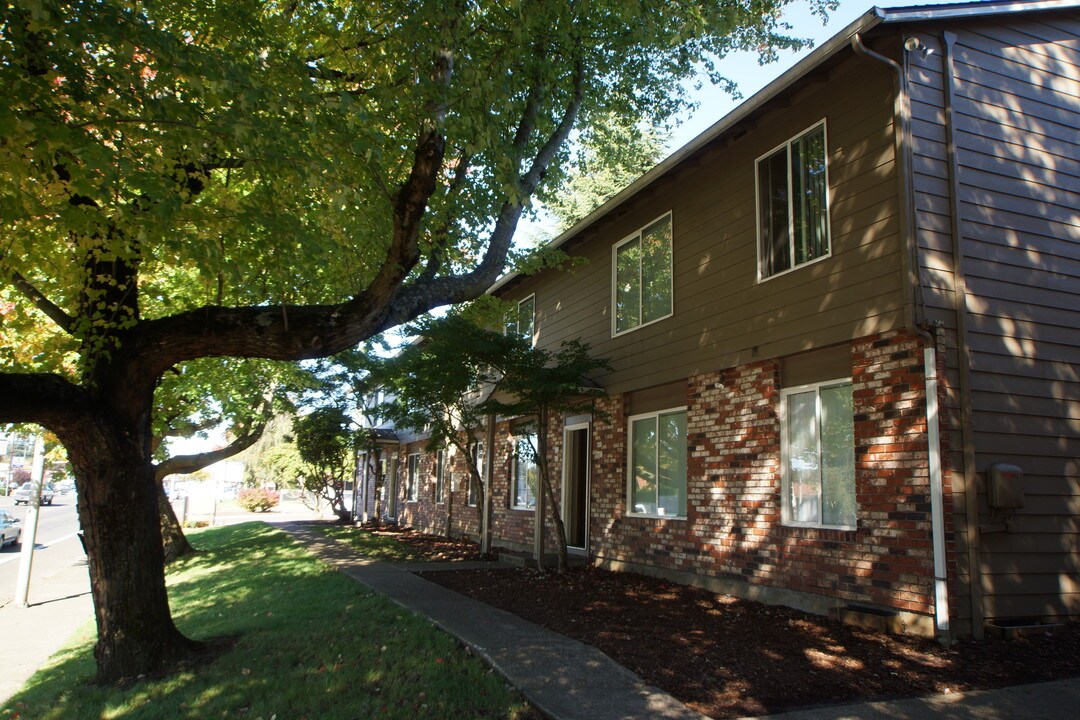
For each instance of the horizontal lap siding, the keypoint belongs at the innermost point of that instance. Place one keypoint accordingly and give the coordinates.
(722, 315)
(1017, 110)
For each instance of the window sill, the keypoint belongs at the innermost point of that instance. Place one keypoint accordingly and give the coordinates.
(521, 509)
(627, 331)
(826, 528)
(655, 517)
(798, 267)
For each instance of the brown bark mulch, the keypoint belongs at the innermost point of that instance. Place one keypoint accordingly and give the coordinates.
(728, 658)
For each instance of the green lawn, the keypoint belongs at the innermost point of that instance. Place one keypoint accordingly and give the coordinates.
(310, 644)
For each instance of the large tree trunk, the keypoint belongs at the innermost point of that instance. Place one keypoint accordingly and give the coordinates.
(173, 539)
(118, 510)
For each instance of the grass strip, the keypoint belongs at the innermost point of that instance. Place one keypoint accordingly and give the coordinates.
(310, 644)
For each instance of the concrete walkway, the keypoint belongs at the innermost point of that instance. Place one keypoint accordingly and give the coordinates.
(563, 678)
(568, 680)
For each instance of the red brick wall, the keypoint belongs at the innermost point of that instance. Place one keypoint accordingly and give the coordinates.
(424, 514)
(733, 528)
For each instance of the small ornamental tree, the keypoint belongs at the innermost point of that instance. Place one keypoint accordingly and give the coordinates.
(438, 383)
(326, 440)
(542, 383)
(257, 499)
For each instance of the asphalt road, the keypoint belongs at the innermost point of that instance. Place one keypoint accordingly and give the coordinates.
(57, 545)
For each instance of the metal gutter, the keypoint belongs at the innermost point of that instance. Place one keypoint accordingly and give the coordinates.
(960, 308)
(971, 9)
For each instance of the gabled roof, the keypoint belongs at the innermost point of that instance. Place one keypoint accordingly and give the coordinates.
(874, 17)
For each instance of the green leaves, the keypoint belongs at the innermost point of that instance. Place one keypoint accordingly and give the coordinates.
(252, 153)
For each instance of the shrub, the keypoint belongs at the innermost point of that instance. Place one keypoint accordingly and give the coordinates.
(257, 499)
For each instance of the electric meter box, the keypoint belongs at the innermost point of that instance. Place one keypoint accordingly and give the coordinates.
(1005, 486)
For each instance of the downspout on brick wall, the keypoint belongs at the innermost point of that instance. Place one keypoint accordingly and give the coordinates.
(915, 318)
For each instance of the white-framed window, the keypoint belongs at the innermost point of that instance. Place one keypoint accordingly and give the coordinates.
(521, 321)
(656, 464)
(526, 471)
(412, 477)
(793, 203)
(440, 476)
(477, 452)
(817, 451)
(641, 268)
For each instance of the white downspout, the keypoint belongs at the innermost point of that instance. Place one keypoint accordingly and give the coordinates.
(937, 496)
(915, 321)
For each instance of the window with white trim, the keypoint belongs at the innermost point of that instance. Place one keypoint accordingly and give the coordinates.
(477, 452)
(526, 471)
(440, 476)
(817, 449)
(641, 285)
(657, 464)
(412, 477)
(521, 321)
(793, 203)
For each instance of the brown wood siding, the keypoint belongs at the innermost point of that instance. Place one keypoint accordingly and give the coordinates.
(722, 316)
(1017, 110)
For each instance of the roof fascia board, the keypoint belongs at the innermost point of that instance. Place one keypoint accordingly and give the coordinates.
(970, 9)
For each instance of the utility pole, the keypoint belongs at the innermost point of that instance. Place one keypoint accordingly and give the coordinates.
(26, 561)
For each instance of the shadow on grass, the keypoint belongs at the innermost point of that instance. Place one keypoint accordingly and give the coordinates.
(308, 643)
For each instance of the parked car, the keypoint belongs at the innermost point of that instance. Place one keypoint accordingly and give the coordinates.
(22, 495)
(10, 529)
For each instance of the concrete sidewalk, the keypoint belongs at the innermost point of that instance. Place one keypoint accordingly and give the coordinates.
(568, 680)
(59, 604)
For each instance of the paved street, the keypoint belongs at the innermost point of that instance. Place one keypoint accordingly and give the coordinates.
(57, 546)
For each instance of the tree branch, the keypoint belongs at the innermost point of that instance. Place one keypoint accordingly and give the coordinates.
(43, 398)
(183, 464)
(42, 303)
(409, 299)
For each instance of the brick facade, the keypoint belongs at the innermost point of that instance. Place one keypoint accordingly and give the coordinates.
(733, 531)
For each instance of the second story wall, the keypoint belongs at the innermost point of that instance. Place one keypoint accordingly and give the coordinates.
(722, 314)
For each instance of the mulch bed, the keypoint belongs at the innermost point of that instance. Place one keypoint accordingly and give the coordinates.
(729, 658)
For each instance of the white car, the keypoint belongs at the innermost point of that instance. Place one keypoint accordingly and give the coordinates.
(22, 495)
(10, 529)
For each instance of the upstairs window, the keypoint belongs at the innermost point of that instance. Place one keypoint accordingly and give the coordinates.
(793, 204)
(641, 291)
(521, 321)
